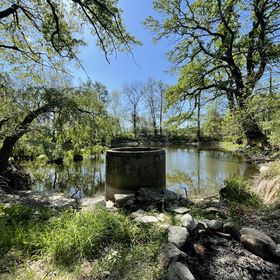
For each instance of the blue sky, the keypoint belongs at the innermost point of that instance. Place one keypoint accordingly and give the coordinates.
(150, 59)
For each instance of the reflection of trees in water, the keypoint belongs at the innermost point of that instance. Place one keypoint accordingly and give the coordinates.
(86, 177)
(193, 183)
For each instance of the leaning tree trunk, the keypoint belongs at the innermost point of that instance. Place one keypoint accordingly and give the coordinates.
(10, 141)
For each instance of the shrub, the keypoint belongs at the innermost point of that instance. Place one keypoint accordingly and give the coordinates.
(236, 190)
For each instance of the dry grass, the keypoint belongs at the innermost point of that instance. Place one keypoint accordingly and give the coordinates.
(267, 183)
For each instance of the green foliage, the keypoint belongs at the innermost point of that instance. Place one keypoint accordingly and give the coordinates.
(237, 190)
(111, 240)
(215, 51)
(212, 125)
(39, 35)
(232, 130)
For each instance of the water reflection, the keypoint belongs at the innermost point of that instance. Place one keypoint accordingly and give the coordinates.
(199, 172)
(202, 172)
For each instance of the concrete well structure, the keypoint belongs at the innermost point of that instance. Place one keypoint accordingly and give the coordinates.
(130, 168)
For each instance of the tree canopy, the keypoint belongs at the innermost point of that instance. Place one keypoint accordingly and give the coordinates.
(47, 31)
(223, 47)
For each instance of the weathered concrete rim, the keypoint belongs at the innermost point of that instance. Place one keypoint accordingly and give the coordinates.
(135, 150)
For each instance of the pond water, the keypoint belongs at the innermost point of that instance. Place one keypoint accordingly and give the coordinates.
(200, 172)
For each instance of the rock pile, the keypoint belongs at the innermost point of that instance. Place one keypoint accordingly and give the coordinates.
(204, 249)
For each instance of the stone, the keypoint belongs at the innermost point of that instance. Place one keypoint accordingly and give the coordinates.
(257, 242)
(232, 230)
(277, 251)
(179, 210)
(171, 196)
(161, 217)
(109, 204)
(121, 199)
(212, 210)
(149, 195)
(189, 222)
(178, 235)
(165, 226)
(168, 253)
(178, 217)
(138, 213)
(178, 271)
(147, 219)
(203, 224)
(215, 224)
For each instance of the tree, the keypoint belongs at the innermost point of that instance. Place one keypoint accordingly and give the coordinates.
(33, 31)
(212, 125)
(152, 102)
(44, 101)
(134, 93)
(218, 51)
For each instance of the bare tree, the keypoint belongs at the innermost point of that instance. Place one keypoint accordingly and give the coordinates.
(134, 93)
(152, 102)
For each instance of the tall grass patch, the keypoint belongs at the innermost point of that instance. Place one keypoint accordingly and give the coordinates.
(111, 242)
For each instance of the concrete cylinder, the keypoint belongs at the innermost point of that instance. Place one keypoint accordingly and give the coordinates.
(130, 168)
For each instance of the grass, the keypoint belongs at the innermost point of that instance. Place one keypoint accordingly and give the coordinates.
(237, 190)
(267, 183)
(39, 242)
(272, 171)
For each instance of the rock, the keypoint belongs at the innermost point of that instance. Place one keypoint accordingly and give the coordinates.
(165, 226)
(168, 253)
(215, 210)
(171, 196)
(257, 242)
(149, 195)
(203, 224)
(161, 217)
(147, 219)
(178, 235)
(277, 251)
(189, 222)
(138, 213)
(179, 210)
(109, 204)
(232, 230)
(121, 199)
(215, 224)
(178, 217)
(178, 271)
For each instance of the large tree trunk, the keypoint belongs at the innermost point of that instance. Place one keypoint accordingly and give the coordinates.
(10, 141)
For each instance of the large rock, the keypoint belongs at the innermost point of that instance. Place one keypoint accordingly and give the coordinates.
(215, 225)
(122, 199)
(178, 271)
(257, 242)
(231, 229)
(171, 196)
(189, 222)
(146, 219)
(168, 253)
(277, 251)
(149, 195)
(178, 235)
(179, 209)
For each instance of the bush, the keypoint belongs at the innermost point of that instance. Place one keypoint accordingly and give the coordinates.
(236, 190)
